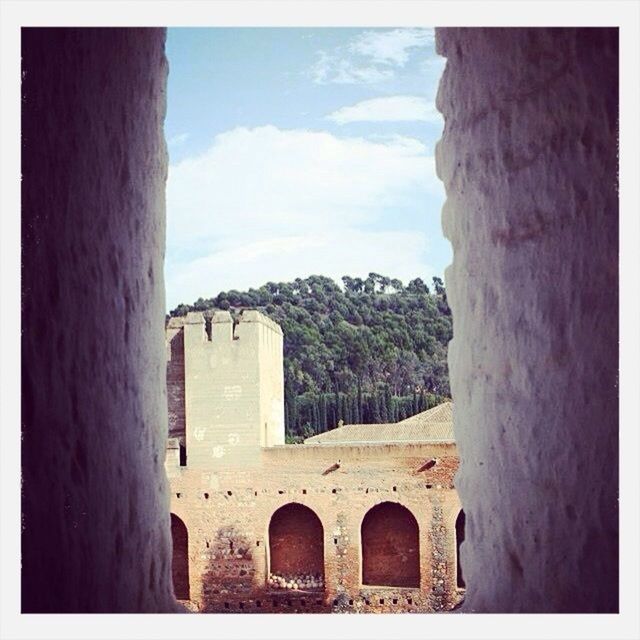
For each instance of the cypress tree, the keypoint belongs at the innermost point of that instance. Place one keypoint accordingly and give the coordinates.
(355, 413)
(322, 425)
(375, 408)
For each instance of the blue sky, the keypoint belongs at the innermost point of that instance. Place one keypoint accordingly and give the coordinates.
(300, 151)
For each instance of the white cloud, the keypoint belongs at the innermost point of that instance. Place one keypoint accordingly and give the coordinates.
(370, 57)
(332, 254)
(270, 204)
(177, 140)
(391, 47)
(388, 109)
(341, 70)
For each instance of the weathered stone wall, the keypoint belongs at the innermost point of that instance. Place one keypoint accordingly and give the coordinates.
(175, 380)
(529, 162)
(228, 512)
(96, 534)
(234, 389)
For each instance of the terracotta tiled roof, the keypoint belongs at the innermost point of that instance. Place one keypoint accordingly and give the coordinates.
(433, 425)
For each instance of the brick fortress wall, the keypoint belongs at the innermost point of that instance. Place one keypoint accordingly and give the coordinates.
(294, 514)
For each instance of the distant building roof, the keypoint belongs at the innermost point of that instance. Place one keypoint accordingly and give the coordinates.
(443, 413)
(433, 425)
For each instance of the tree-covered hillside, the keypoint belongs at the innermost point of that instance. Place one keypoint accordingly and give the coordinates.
(373, 351)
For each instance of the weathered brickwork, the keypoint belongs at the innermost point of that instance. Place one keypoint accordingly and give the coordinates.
(228, 514)
(346, 528)
(175, 381)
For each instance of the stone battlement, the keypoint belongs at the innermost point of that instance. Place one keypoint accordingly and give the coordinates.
(223, 324)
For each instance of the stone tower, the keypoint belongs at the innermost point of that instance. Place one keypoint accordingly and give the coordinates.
(233, 389)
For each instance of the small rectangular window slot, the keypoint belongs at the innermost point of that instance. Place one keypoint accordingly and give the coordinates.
(229, 493)
(395, 488)
(258, 603)
(206, 496)
(395, 601)
(178, 495)
(226, 605)
(304, 491)
(381, 600)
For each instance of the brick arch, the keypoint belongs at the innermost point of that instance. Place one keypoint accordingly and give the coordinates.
(390, 543)
(180, 560)
(296, 541)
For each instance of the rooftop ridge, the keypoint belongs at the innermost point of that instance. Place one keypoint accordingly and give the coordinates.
(435, 424)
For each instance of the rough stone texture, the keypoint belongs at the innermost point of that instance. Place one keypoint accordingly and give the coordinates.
(529, 162)
(96, 532)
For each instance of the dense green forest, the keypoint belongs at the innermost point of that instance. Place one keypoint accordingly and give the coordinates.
(372, 351)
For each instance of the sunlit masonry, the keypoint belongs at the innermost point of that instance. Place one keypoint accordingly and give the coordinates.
(359, 518)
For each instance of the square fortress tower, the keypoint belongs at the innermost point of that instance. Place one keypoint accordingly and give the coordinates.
(233, 388)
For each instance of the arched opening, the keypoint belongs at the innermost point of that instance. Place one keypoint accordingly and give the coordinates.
(296, 549)
(390, 539)
(459, 540)
(180, 560)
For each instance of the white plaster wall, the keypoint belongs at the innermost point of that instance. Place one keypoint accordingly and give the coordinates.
(96, 533)
(529, 161)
